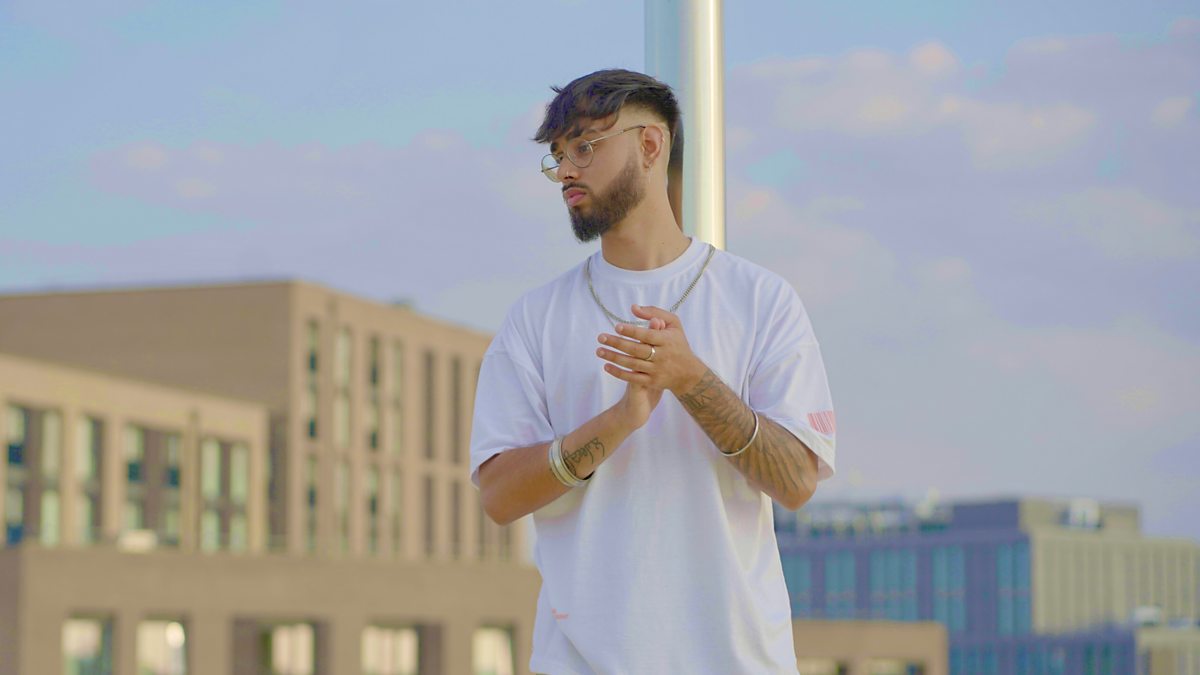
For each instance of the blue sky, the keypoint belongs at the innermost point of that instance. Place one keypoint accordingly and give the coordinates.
(989, 209)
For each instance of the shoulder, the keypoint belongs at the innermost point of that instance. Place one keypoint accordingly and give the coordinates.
(527, 319)
(767, 286)
(534, 306)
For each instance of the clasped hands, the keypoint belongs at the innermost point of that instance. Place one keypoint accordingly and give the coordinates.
(658, 357)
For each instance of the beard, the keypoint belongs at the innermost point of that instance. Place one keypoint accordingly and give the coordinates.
(611, 207)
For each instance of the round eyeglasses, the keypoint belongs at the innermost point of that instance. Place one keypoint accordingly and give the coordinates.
(578, 151)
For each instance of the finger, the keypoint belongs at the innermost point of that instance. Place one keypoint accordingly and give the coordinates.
(652, 312)
(633, 378)
(643, 335)
(633, 348)
(657, 323)
(629, 362)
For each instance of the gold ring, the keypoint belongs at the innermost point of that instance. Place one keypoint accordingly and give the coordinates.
(650, 358)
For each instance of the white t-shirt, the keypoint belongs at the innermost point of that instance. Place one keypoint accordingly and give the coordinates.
(666, 560)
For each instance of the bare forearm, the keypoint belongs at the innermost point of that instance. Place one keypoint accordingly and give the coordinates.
(776, 462)
(518, 482)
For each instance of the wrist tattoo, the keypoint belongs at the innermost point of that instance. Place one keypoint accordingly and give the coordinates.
(703, 393)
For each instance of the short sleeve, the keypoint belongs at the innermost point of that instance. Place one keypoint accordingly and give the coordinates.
(510, 403)
(788, 382)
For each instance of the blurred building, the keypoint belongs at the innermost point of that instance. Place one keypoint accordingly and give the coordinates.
(869, 647)
(1021, 585)
(254, 478)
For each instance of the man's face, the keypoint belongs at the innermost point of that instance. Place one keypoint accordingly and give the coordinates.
(604, 192)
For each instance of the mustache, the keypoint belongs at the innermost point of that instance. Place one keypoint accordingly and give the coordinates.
(568, 186)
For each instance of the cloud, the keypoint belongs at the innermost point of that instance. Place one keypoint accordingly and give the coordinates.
(933, 58)
(146, 157)
(1171, 111)
(1016, 136)
(874, 94)
(1124, 223)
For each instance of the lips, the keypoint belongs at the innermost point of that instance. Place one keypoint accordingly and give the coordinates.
(573, 196)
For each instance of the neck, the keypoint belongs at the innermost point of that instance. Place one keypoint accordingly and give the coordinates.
(646, 239)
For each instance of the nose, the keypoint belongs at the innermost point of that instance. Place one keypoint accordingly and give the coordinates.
(567, 170)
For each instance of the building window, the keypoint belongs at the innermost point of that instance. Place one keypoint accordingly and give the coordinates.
(893, 579)
(210, 492)
(430, 377)
(949, 582)
(397, 425)
(16, 475)
(343, 354)
(397, 513)
(210, 468)
(17, 436)
(288, 649)
(373, 388)
(50, 451)
(390, 651)
(797, 572)
(312, 377)
(492, 651)
(456, 402)
(87, 646)
(313, 334)
(455, 520)
(50, 518)
(161, 648)
(342, 357)
(839, 585)
(152, 491)
(310, 408)
(169, 491)
(88, 458)
(135, 490)
(373, 510)
(341, 418)
(1022, 614)
(224, 492)
(310, 506)
(239, 473)
(341, 496)
(135, 454)
(430, 532)
(51, 446)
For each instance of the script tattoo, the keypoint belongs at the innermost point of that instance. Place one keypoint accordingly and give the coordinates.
(590, 450)
(777, 463)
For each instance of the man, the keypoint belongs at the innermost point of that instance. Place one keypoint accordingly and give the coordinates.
(646, 407)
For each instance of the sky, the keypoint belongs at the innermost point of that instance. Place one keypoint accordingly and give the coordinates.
(983, 205)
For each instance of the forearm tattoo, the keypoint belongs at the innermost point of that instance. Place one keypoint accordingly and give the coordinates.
(591, 450)
(777, 463)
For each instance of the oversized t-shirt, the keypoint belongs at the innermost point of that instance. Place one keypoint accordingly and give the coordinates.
(666, 560)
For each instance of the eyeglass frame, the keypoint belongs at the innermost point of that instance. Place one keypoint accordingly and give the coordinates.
(552, 172)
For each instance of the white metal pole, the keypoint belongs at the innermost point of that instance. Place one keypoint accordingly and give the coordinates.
(684, 48)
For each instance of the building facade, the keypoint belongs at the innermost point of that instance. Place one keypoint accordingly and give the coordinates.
(1022, 586)
(285, 463)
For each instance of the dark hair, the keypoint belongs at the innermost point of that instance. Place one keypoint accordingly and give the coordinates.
(604, 93)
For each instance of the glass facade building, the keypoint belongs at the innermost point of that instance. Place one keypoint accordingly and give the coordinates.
(972, 567)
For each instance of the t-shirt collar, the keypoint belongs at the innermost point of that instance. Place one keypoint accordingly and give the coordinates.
(604, 271)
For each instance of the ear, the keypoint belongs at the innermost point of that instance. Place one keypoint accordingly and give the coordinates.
(654, 143)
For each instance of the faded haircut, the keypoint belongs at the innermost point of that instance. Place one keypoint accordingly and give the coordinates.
(605, 92)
